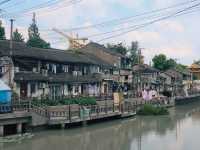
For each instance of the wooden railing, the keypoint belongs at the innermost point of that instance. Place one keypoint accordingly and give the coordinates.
(21, 106)
(77, 113)
(80, 113)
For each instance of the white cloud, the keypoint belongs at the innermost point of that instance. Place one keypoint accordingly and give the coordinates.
(176, 37)
(178, 52)
(171, 25)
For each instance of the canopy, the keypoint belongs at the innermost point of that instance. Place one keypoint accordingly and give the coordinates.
(4, 87)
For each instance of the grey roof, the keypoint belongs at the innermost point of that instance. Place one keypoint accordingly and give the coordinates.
(59, 78)
(143, 68)
(62, 56)
(173, 73)
(97, 46)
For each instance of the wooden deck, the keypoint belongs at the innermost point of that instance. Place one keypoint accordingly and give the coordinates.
(69, 114)
(75, 113)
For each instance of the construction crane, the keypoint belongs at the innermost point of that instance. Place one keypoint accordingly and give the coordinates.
(74, 43)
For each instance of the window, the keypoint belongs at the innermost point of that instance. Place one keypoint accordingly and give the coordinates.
(33, 90)
(65, 68)
(76, 89)
(126, 77)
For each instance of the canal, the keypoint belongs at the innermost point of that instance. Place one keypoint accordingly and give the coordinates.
(178, 131)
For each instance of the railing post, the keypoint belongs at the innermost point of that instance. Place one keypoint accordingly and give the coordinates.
(69, 113)
(98, 110)
(113, 107)
(29, 106)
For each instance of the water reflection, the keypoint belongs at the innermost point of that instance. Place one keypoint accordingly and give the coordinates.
(179, 131)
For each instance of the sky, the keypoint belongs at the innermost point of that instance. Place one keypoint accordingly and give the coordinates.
(177, 37)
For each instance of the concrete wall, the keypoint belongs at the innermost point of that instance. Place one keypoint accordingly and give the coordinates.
(38, 120)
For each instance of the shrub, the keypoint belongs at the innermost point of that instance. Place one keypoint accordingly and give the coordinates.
(80, 100)
(152, 110)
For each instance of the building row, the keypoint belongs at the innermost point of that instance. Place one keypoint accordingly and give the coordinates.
(90, 71)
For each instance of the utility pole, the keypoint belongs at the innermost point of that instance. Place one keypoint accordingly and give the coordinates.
(11, 52)
(11, 35)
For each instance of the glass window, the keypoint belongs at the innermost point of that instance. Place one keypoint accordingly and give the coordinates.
(33, 88)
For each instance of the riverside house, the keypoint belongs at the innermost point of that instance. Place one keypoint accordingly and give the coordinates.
(145, 77)
(195, 70)
(122, 71)
(53, 73)
(177, 81)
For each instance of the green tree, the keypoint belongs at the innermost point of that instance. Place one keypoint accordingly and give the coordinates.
(119, 48)
(2, 32)
(181, 67)
(34, 36)
(18, 37)
(134, 53)
(162, 63)
(170, 63)
(197, 62)
(159, 62)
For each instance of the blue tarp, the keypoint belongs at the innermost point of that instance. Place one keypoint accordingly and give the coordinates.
(5, 93)
(5, 97)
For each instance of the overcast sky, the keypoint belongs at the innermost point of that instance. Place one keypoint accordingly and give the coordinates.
(176, 37)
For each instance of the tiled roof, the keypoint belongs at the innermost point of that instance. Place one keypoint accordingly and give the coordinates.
(63, 56)
(94, 46)
(143, 68)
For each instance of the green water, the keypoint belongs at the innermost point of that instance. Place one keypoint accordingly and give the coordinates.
(178, 131)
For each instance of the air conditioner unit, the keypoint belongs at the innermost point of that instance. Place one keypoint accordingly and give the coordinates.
(75, 73)
(41, 85)
(16, 69)
(35, 70)
(44, 72)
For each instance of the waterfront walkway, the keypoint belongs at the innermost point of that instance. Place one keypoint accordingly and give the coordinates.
(68, 114)
(29, 114)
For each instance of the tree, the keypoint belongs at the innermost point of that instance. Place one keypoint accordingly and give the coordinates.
(162, 63)
(134, 53)
(119, 48)
(34, 36)
(170, 63)
(197, 62)
(159, 62)
(181, 67)
(18, 37)
(2, 32)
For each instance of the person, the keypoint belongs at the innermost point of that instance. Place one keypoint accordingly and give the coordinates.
(149, 97)
(154, 93)
(144, 94)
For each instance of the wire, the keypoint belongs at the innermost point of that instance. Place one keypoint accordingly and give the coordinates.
(144, 17)
(4, 2)
(130, 17)
(178, 13)
(50, 6)
(143, 25)
(13, 4)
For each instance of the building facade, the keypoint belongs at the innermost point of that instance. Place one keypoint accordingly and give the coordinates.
(54, 74)
(119, 61)
(145, 77)
(195, 70)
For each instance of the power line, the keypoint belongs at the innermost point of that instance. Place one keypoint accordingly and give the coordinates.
(4, 2)
(152, 16)
(139, 26)
(178, 13)
(130, 17)
(13, 4)
(136, 27)
(130, 27)
(36, 6)
(50, 6)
